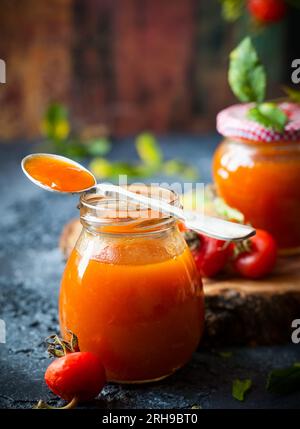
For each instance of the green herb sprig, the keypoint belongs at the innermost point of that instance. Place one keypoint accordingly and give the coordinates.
(240, 388)
(293, 94)
(151, 162)
(269, 115)
(247, 79)
(232, 9)
(56, 128)
(284, 380)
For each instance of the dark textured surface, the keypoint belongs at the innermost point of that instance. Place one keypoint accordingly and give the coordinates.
(30, 269)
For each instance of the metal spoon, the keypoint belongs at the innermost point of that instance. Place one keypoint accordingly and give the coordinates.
(208, 225)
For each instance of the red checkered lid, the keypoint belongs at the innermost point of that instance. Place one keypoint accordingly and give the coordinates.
(233, 122)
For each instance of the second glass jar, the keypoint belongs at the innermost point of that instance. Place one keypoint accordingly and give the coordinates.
(262, 180)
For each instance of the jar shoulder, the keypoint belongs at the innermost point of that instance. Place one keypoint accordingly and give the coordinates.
(131, 249)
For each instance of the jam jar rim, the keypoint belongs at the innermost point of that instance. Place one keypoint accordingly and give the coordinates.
(140, 225)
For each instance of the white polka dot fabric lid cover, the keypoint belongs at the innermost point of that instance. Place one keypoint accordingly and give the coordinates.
(233, 122)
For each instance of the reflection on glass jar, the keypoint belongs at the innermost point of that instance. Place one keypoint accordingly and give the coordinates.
(262, 180)
(130, 290)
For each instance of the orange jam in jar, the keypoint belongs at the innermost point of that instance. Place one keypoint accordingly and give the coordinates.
(260, 176)
(130, 290)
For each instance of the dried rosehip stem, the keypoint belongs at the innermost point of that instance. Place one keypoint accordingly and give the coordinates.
(41, 405)
(244, 246)
(58, 347)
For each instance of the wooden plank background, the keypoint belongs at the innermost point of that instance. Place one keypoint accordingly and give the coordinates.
(129, 64)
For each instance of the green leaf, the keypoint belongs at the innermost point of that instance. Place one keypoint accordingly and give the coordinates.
(55, 112)
(148, 150)
(232, 9)
(240, 388)
(247, 76)
(98, 147)
(293, 94)
(227, 212)
(216, 206)
(101, 168)
(189, 173)
(70, 148)
(225, 354)
(130, 170)
(55, 124)
(104, 169)
(174, 167)
(269, 115)
(284, 380)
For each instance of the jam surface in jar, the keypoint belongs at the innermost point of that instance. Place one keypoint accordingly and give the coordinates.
(135, 299)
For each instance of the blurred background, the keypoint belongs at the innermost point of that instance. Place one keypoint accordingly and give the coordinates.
(127, 87)
(127, 66)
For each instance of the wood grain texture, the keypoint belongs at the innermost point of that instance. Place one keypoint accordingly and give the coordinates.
(254, 311)
(129, 65)
(35, 43)
(240, 311)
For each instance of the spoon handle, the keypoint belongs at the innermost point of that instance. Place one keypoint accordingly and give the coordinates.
(218, 228)
(208, 225)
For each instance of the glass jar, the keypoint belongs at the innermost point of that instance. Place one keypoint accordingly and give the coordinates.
(130, 290)
(262, 180)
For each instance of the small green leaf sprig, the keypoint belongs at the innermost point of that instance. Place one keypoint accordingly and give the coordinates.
(247, 79)
(281, 381)
(284, 380)
(232, 9)
(56, 128)
(240, 388)
(151, 162)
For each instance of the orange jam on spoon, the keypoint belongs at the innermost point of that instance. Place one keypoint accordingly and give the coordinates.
(58, 174)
